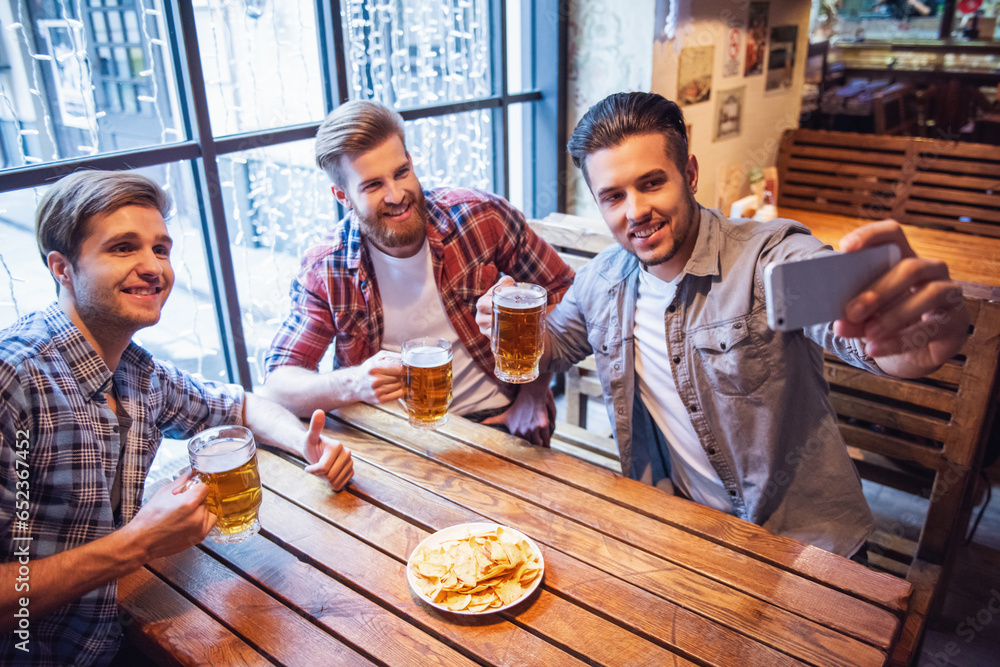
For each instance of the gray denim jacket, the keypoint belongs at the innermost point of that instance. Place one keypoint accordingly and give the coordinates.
(757, 398)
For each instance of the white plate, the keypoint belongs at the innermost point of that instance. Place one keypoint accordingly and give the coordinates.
(458, 532)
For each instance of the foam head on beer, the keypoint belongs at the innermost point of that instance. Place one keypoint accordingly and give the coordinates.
(518, 331)
(428, 381)
(225, 460)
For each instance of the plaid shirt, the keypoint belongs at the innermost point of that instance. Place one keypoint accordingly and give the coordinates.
(55, 423)
(473, 238)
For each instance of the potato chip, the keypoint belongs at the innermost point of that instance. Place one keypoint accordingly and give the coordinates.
(476, 572)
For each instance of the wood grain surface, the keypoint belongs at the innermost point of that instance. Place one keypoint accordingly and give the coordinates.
(632, 576)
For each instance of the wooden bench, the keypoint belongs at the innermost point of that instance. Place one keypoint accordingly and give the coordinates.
(925, 182)
(923, 436)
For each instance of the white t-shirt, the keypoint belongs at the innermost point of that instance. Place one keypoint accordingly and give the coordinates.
(412, 308)
(691, 470)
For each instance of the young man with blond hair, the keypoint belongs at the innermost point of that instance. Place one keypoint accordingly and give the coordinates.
(405, 263)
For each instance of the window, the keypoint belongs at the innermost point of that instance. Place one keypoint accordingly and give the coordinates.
(218, 100)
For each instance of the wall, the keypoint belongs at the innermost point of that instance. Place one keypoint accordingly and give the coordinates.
(766, 114)
(610, 51)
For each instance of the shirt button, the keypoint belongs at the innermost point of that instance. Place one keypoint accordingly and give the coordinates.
(671, 308)
(676, 360)
(617, 367)
(722, 345)
(693, 408)
(738, 325)
(711, 451)
(604, 347)
(114, 428)
(732, 492)
(621, 411)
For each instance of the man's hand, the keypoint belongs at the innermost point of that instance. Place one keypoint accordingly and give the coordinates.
(484, 307)
(174, 519)
(328, 458)
(531, 414)
(912, 319)
(379, 379)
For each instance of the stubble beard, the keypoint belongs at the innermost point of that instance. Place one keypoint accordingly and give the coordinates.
(676, 242)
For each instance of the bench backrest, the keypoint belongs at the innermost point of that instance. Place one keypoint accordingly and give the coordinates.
(925, 182)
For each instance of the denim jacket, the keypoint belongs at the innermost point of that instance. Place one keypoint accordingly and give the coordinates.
(756, 398)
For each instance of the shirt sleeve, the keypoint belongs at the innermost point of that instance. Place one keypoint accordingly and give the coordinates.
(567, 326)
(799, 244)
(185, 405)
(526, 257)
(308, 330)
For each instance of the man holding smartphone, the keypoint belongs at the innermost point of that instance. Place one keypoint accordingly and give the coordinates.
(703, 396)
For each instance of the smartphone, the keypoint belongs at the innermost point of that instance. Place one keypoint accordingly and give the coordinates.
(812, 291)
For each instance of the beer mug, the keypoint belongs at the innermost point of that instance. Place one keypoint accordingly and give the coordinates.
(225, 460)
(518, 329)
(427, 370)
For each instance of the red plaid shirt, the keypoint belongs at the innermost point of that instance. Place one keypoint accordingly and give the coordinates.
(474, 237)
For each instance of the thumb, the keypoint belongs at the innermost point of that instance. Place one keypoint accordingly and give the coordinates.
(495, 419)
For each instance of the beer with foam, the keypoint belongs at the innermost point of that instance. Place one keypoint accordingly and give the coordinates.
(518, 331)
(428, 381)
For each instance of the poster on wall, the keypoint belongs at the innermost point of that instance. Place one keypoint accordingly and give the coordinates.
(781, 59)
(731, 61)
(694, 74)
(728, 113)
(756, 39)
(70, 76)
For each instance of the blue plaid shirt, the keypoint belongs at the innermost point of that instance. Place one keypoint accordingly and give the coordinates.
(59, 450)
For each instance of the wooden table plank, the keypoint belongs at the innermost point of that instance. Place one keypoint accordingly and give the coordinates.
(383, 577)
(781, 588)
(806, 560)
(286, 636)
(353, 617)
(171, 630)
(752, 616)
(666, 623)
(563, 624)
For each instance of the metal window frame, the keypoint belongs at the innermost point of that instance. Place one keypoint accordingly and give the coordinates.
(545, 135)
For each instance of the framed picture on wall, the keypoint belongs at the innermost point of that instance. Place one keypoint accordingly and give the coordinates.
(728, 113)
(756, 39)
(781, 59)
(694, 74)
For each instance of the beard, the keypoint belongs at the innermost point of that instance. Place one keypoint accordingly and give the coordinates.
(396, 235)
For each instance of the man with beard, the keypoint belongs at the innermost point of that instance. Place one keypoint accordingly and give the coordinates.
(403, 264)
(703, 397)
(82, 412)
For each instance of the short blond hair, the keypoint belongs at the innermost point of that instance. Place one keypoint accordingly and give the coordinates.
(62, 222)
(354, 128)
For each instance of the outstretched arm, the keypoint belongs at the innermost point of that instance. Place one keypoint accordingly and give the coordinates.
(274, 425)
(912, 319)
(378, 380)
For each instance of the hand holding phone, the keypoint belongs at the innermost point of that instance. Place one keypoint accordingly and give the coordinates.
(812, 291)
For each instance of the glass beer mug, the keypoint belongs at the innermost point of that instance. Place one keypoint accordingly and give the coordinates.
(427, 381)
(225, 460)
(518, 331)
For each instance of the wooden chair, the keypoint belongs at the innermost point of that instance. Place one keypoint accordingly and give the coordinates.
(895, 110)
(925, 437)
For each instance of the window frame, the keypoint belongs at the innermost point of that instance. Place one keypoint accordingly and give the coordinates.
(544, 135)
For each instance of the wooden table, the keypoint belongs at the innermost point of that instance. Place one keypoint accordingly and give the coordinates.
(632, 576)
(974, 260)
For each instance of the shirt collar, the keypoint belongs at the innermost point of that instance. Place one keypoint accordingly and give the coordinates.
(89, 370)
(704, 260)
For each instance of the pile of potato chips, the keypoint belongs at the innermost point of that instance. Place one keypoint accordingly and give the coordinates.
(476, 573)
